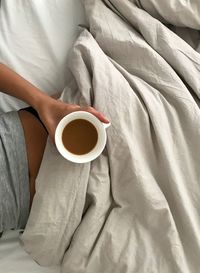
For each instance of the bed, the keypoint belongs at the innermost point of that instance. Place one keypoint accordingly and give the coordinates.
(136, 207)
(36, 37)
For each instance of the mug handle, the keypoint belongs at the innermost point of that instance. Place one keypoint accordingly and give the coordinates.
(106, 125)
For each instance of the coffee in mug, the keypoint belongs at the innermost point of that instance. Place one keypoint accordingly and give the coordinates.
(81, 137)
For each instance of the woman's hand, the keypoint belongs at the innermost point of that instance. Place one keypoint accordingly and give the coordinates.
(51, 111)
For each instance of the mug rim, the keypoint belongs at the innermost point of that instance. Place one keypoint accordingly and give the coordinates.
(95, 152)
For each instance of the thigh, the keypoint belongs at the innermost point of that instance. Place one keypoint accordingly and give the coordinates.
(35, 139)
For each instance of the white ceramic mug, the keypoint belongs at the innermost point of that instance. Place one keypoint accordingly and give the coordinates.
(101, 142)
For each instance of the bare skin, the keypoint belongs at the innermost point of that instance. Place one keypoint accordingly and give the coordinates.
(35, 138)
(50, 110)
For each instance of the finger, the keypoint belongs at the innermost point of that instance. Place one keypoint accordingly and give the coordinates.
(98, 114)
(73, 108)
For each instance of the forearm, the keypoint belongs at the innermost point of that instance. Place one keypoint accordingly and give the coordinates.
(14, 85)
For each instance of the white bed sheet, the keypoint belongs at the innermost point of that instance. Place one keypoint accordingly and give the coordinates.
(35, 38)
(13, 259)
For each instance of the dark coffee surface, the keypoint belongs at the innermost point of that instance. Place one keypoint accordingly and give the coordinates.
(79, 136)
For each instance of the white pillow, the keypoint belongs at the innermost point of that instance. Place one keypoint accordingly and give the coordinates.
(35, 37)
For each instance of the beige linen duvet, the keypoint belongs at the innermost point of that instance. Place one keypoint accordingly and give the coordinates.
(136, 208)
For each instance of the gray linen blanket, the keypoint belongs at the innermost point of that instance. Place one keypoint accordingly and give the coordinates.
(136, 207)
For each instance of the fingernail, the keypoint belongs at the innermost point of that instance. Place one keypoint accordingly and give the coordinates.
(103, 117)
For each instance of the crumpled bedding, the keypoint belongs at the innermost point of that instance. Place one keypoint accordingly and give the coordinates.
(136, 207)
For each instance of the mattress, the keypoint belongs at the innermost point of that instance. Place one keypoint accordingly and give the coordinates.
(35, 40)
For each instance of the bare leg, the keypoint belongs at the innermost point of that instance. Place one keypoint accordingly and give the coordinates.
(35, 138)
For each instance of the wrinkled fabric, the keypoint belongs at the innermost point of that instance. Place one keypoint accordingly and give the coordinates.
(136, 207)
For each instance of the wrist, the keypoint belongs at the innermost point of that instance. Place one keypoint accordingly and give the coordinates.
(38, 98)
(42, 101)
